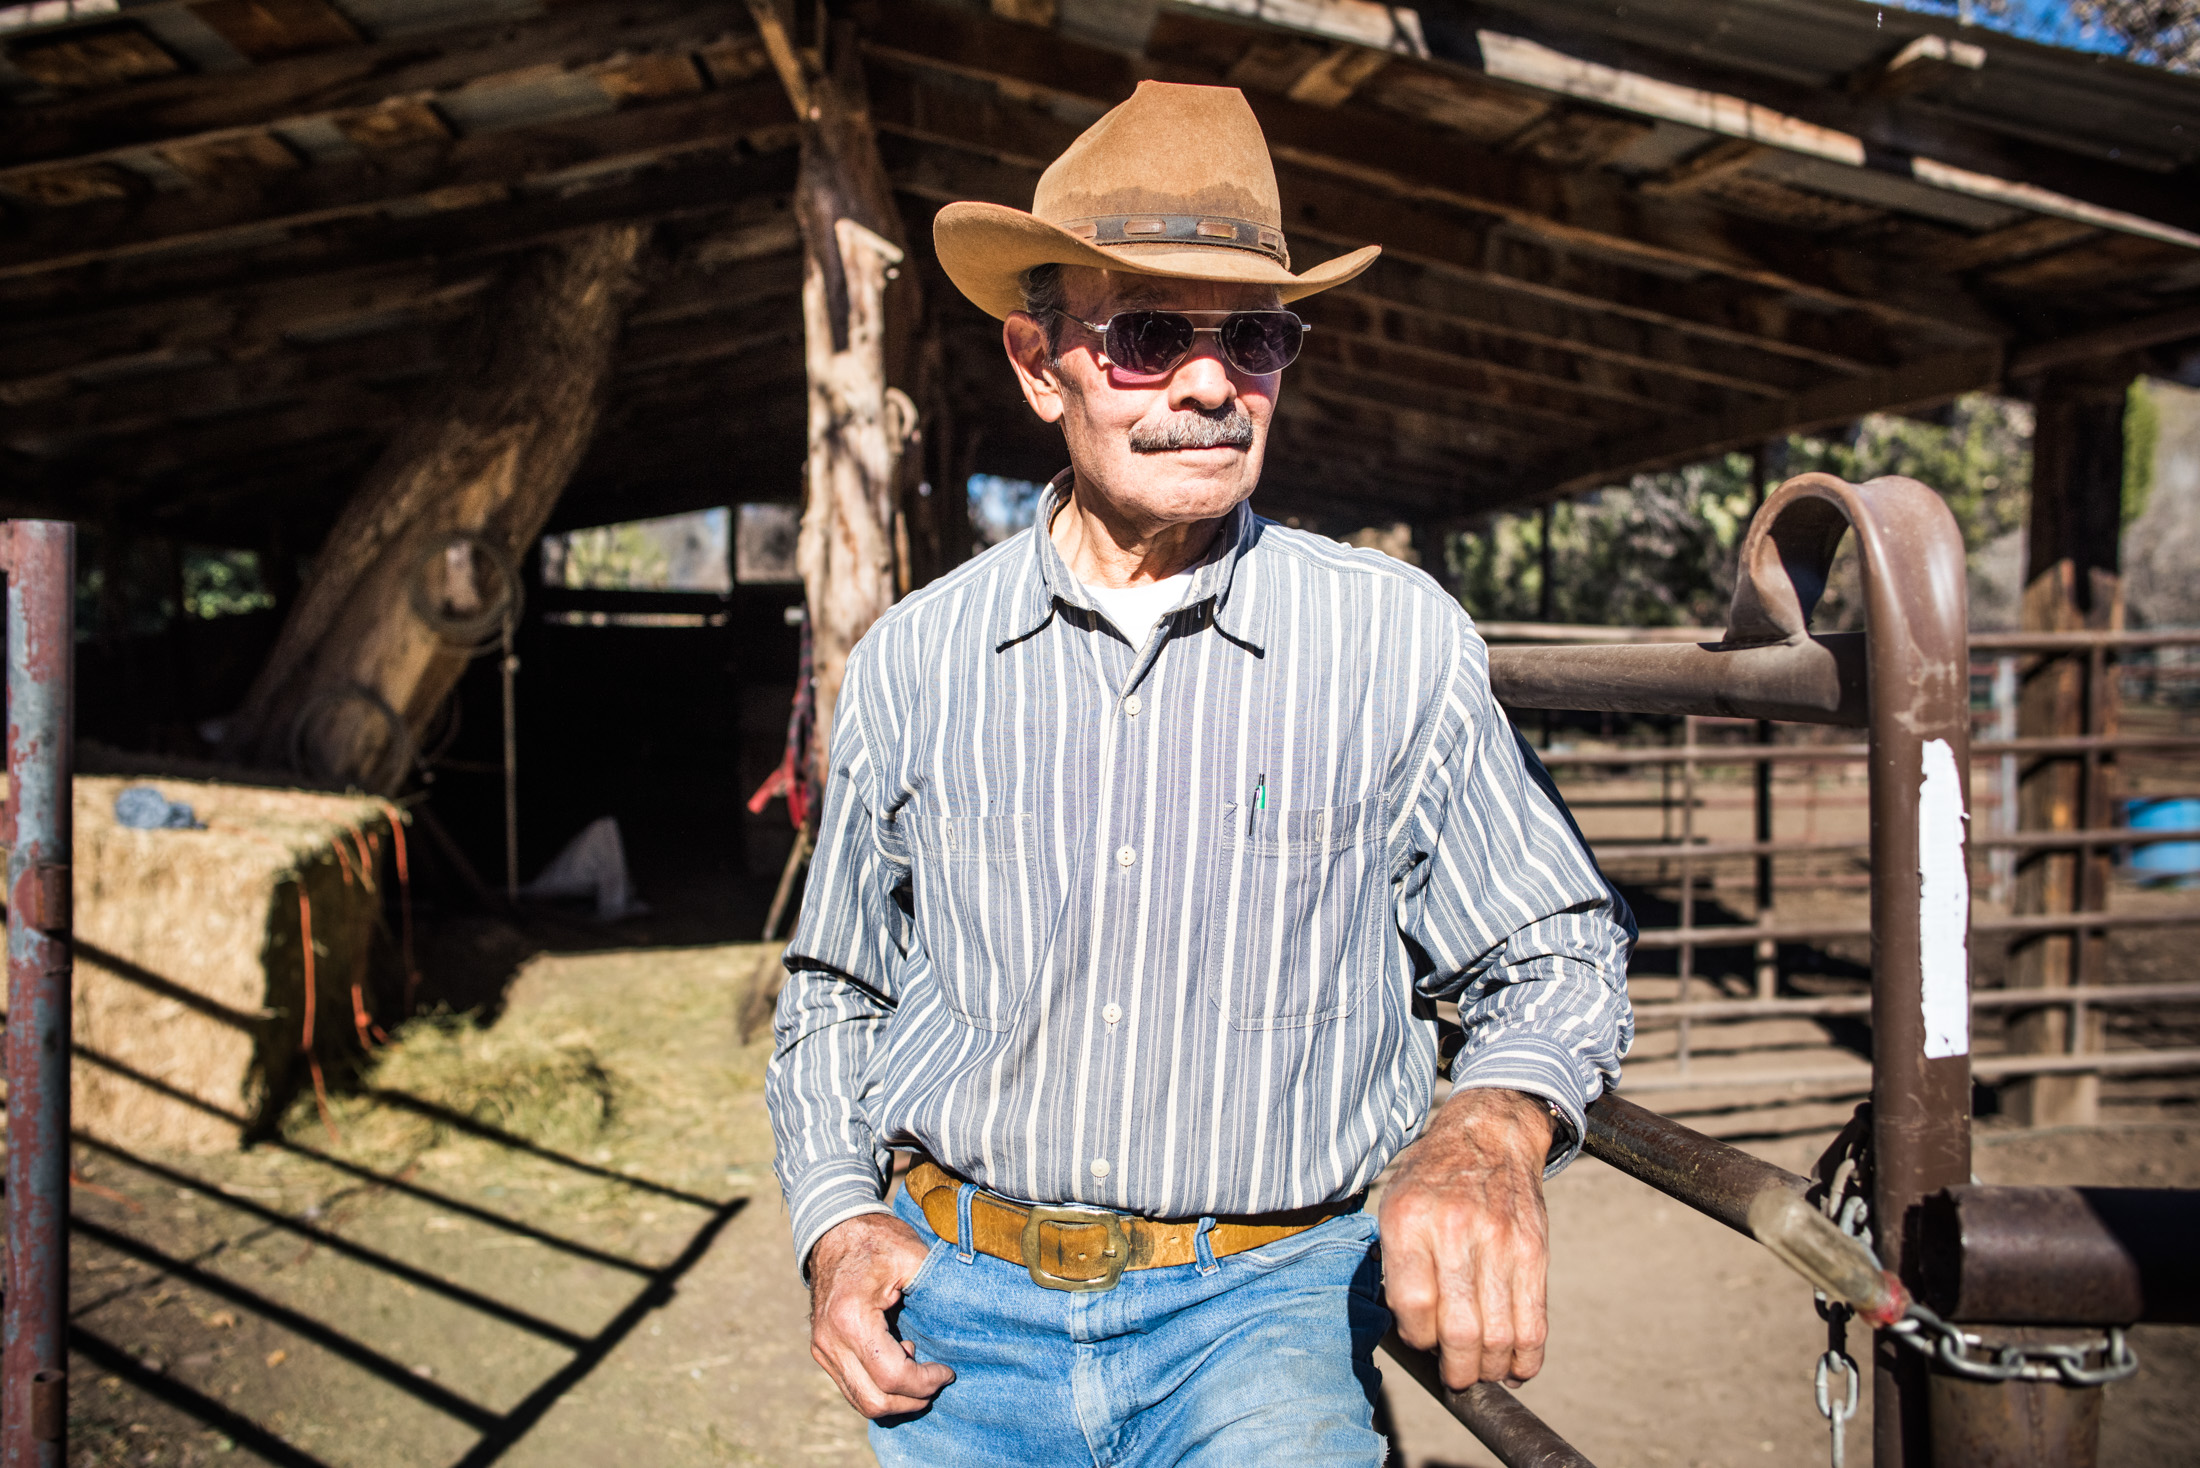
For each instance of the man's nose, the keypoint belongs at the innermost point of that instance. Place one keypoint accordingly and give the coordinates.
(1201, 380)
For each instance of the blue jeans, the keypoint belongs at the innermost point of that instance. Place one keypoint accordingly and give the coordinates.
(1262, 1358)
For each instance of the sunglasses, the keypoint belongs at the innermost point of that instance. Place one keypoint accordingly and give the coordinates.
(1152, 343)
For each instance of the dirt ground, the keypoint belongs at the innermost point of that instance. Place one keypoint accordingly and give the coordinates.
(445, 1282)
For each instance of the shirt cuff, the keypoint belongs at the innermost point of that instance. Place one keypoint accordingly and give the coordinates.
(829, 1193)
(1536, 1067)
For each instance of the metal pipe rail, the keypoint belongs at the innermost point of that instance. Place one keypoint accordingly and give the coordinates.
(2121, 996)
(1758, 754)
(1592, 634)
(38, 558)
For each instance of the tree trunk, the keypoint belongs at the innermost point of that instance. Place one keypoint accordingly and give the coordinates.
(486, 457)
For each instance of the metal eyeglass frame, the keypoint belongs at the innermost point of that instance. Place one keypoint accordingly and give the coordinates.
(1221, 319)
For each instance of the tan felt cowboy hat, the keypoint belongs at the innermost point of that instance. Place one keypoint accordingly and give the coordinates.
(1176, 181)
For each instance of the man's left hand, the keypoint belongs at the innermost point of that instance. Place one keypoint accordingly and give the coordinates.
(1466, 1240)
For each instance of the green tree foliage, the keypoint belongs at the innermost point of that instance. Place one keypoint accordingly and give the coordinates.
(2142, 434)
(223, 583)
(616, 558)
(1660, 550)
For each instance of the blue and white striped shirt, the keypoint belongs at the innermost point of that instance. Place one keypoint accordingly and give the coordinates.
(1160, 929)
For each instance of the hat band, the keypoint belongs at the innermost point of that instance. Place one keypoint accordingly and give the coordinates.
(1181, 229)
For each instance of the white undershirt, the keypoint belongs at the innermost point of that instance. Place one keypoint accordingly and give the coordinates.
(1137, 610)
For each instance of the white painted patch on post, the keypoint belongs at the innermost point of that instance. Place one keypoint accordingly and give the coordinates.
(1943, 905)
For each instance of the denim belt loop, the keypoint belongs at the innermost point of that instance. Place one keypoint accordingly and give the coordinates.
(1205, 1250)
(964, 1253)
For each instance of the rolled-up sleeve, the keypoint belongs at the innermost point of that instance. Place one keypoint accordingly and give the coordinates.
(843, 968)
(1509, 913)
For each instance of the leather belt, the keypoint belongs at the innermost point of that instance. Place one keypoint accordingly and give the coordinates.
(1087, 1249)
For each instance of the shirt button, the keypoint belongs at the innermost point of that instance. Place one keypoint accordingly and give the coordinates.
(1126, 858)
(1113, 1013)
(1132, 705)
(1099, 1167)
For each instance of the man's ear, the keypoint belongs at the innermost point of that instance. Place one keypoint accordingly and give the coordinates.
(1025, 339)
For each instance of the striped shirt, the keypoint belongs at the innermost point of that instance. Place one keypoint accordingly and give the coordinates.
(1160, 929)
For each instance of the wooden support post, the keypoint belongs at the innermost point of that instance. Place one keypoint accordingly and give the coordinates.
(486, 456)
(2077, 482)
(855, 549)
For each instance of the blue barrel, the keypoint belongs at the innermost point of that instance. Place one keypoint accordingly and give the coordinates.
(2166, 861)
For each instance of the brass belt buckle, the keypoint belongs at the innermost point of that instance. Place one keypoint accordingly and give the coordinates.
(1112, 1258)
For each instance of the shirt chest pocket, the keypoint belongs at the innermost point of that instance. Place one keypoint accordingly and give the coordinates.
(1298, 914)
(980, 912)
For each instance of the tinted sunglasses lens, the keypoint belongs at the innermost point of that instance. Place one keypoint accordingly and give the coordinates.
(1148, 343)
(1261, 342)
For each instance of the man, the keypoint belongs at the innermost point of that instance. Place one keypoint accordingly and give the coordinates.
(1152, 837)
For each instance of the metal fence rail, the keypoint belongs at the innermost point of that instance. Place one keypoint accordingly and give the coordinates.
(1534, 678)
(1937, 1400)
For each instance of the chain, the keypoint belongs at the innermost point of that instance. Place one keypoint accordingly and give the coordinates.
(1970, 1355)
(1837, 1412)
(2095, 1362)
(1848, 1211)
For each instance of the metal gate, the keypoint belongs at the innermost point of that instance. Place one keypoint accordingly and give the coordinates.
(2069, 1268)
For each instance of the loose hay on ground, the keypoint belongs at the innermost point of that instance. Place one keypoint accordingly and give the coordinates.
(190, 974)
(443, 1074)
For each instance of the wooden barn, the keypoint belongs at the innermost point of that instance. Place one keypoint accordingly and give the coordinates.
(383, 290)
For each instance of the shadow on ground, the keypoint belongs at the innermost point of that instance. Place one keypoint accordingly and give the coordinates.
(408, 1278)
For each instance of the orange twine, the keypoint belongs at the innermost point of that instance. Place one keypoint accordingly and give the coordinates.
(404, 899)
(366, 863)
(313, 1062)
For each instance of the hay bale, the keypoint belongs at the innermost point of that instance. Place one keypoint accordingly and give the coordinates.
(190, 971)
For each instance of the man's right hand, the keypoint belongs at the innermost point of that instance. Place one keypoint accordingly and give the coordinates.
(857, 1273)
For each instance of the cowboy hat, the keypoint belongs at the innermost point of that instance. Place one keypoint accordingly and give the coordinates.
(1176, 182)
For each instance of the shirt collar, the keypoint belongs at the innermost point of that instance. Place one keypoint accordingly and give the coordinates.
(1212, 578)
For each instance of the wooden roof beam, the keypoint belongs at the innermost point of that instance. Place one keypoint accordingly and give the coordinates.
(1909, 388)
(62, 424)
(943, 173)
(564, 37)
(487, 168)
(1320, 207)
(1374, 361)
(691, 186)
(1446, 345)
(1890, 128)
(1591, 209)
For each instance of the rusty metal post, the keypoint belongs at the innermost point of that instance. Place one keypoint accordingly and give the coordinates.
(39, 560)
(1919, 682)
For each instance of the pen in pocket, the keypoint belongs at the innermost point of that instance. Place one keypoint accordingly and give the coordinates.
(1259, 802)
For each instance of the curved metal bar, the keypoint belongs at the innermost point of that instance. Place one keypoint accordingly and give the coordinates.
(1916, 626)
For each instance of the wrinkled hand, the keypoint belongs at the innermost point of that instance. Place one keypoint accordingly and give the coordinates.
(857, 1273)
(1466, 1240)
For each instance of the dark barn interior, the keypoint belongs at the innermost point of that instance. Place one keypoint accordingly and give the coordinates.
(246, 244)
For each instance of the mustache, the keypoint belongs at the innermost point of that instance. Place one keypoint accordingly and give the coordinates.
(1230, 429)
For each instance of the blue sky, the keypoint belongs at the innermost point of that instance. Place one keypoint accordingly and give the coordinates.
(2051, 22)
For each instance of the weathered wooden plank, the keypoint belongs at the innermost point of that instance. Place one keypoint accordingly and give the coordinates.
(536, 158)
(567, 35)
(1443, 344)
(1378, 369)
(689, 186)
(1321, 206)
(1907, 388)
(1595, 209)
(1890, 128)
